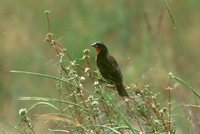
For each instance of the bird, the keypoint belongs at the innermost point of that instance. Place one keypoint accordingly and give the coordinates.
(109, 68)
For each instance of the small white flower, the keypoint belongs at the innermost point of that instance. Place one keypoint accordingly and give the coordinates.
(96, 83)
(61, 59)
(86, 51)
(87, 69)
(170, 75)
(90, 97)
(22, 111)
(61, 54)
(53, 42)
(73, 63)
(95, 103)
(80, 85)
(82, 78)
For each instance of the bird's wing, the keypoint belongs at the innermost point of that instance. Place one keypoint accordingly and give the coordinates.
(113, 63)
(114, 70)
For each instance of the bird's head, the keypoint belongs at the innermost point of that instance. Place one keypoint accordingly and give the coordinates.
(100, 48)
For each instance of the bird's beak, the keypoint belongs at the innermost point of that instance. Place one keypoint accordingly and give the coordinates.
(94, 45)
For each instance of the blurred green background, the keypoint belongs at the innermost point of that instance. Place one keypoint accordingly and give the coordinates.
(140, 34)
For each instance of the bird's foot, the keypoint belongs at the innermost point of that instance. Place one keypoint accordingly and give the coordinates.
(102, 81)
(110, 85)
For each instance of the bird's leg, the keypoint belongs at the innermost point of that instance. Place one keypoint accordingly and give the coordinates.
(105, 82)
(108, 83)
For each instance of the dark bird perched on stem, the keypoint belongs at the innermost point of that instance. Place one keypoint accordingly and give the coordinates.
(109, 68)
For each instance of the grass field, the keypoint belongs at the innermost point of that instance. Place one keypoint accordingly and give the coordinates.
(147, 42)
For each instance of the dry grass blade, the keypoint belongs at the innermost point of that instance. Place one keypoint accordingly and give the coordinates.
(56, 118)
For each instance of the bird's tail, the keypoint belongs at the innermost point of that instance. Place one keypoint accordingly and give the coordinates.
(121, 89)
